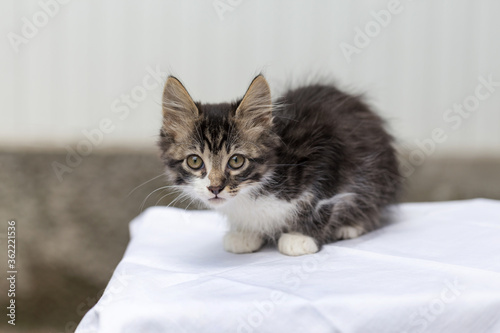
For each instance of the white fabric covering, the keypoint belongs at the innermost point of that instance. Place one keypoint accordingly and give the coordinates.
(436, 269)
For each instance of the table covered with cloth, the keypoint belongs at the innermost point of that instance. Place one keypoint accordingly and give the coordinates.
(435, 268)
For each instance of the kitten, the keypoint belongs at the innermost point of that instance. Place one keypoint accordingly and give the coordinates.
(317, 168)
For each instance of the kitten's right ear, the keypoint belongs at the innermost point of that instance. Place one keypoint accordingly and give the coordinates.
(179, 110)
(255, 109)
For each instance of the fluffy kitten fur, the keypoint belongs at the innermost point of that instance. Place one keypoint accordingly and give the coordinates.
(318, 165)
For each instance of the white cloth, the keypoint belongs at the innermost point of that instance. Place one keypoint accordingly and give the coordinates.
(436, 269)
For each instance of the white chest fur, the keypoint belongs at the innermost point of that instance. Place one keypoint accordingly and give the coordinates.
(262, 215)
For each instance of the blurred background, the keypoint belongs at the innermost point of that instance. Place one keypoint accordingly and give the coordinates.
(81, 85)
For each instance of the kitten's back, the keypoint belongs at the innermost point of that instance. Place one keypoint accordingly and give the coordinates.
(333, 144)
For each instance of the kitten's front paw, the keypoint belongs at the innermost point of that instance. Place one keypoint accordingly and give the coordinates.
(238, 242)
(296, 244)
(347, 232)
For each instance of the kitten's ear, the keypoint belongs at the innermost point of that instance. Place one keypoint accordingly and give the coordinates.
(177, 99)
(256, 107)
(179, 110)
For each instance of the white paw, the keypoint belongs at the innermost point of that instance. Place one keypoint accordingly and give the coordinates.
(347, 232)
(296, 244)
(238, 242)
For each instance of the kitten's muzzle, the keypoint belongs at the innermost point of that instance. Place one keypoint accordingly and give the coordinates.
(215, 189)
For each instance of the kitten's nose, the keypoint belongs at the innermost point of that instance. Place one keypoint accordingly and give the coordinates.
(215, 189)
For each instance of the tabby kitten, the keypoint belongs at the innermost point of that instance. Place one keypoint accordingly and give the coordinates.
(316, 169)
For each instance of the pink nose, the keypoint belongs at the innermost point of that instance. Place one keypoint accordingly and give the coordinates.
(215, 189)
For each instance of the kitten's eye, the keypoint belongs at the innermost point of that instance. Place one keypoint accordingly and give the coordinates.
(194, 161)
(236, 161)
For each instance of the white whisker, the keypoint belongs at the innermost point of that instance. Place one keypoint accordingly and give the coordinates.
(162, 174)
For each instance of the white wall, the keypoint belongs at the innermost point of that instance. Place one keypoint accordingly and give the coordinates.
(66, 77)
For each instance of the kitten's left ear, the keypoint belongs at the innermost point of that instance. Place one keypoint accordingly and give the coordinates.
(176, 99)
(179, 110)
(256, 107)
